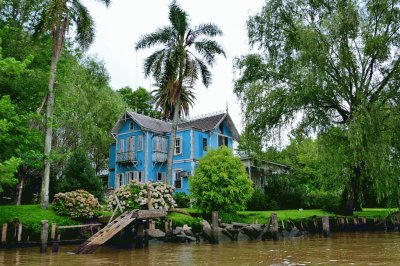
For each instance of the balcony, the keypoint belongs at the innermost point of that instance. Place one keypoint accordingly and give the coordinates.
(126, 157)
(159, 157)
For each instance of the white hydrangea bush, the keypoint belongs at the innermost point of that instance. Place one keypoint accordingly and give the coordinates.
(134, 196)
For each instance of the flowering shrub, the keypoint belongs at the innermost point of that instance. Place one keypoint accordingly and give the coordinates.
(78, 204)
(134, 196)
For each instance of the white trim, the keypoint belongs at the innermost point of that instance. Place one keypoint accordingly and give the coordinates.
(117, 180)
(163, 177)
(140, 142)
(146, 157)
(180, 147)
(127, 175)
(174, 172)
(130, 132)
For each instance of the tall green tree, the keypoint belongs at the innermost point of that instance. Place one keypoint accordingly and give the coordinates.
(57, 17)
(139, 100)
(184, 56)
(327, 64)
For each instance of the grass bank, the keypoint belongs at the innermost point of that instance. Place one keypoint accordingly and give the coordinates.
(31, 215)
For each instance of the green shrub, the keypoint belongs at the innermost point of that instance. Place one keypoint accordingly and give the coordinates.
(220, 182)
(78, 204)
(286, 191)
(324, 200)
(80, 174)
(182, 199)
(134, 196)
(261, 202)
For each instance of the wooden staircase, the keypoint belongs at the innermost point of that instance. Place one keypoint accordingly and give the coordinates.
(107, 232)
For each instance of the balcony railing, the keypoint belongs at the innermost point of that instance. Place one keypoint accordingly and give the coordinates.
(126, 157)
(159, 156)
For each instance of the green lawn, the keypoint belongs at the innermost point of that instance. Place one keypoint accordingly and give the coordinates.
(263, 216)
(31, 216)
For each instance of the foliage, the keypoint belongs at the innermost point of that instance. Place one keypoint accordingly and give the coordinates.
(78, 204)
(30, 216)
(139, 101)
(179, 219)
(184, 56)
(182, 199)
(328, 65)
(328, 201)
(134, 196)
(220, 182)
(7, 172)
(260, 201)
(79, 174)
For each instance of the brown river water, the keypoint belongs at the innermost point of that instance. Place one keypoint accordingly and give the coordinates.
(339, 249)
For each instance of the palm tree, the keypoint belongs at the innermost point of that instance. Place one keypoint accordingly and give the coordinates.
(163, 101)
(184, 56)
(57, 17)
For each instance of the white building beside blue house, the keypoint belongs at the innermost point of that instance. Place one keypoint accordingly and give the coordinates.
(141, 147)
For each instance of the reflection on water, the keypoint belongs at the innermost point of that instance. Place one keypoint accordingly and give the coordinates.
(339, 249)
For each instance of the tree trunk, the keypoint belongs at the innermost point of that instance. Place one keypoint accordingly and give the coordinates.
(58, 43)
(172, 140)
(20, 189)
(353, 197)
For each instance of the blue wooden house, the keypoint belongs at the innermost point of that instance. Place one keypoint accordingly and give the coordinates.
(141, 147)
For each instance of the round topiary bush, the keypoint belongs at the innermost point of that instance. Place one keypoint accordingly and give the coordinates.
(78, 204)
(134, 196)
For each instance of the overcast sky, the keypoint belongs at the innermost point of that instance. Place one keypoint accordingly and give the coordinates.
(119, 27)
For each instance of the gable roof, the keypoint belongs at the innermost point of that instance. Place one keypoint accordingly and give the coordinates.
(145, 122)
(205, 123)
(211, 122)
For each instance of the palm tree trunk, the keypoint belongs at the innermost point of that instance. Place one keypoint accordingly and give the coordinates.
(58, 43)
(172, 140)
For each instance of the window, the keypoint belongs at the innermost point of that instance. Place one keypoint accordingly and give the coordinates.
(204, 144)
(131, 125)
(129, 177)
(178, 145)
(178, 180)
(139, 176)
(160, 177)
(160, 144)
(121, 145)
(140, 142)
(222, 141)
(131, 143)
(119, 180)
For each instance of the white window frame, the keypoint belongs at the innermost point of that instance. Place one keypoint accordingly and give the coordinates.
(163, 177)
(160, 144)
(119, 180)
(140, 142)
(139, 176)
(180, 146)
(175, 173)
(223, 139)
(121, 144)
(129, 177)
(130, 143)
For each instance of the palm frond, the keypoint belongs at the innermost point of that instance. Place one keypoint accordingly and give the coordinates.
(153, 63)
(208, 49)
(162, 36)
(84, 24)
(105, 2)
(205, 73)
(207, 29)
(178, 18)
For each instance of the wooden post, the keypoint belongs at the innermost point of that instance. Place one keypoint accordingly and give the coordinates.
(149, 201)
(325, 225)
(19, 237)
(274, 222)
(139, 234)
(4, 233)
(54, 245)
(44, 235)
(214, 227)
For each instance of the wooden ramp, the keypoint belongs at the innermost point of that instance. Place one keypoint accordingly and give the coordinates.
(107, 232)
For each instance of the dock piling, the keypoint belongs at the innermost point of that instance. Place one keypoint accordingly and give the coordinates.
(274, 223)
(214, 226)
(44, 235)
(4, 233)
(325, 225)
